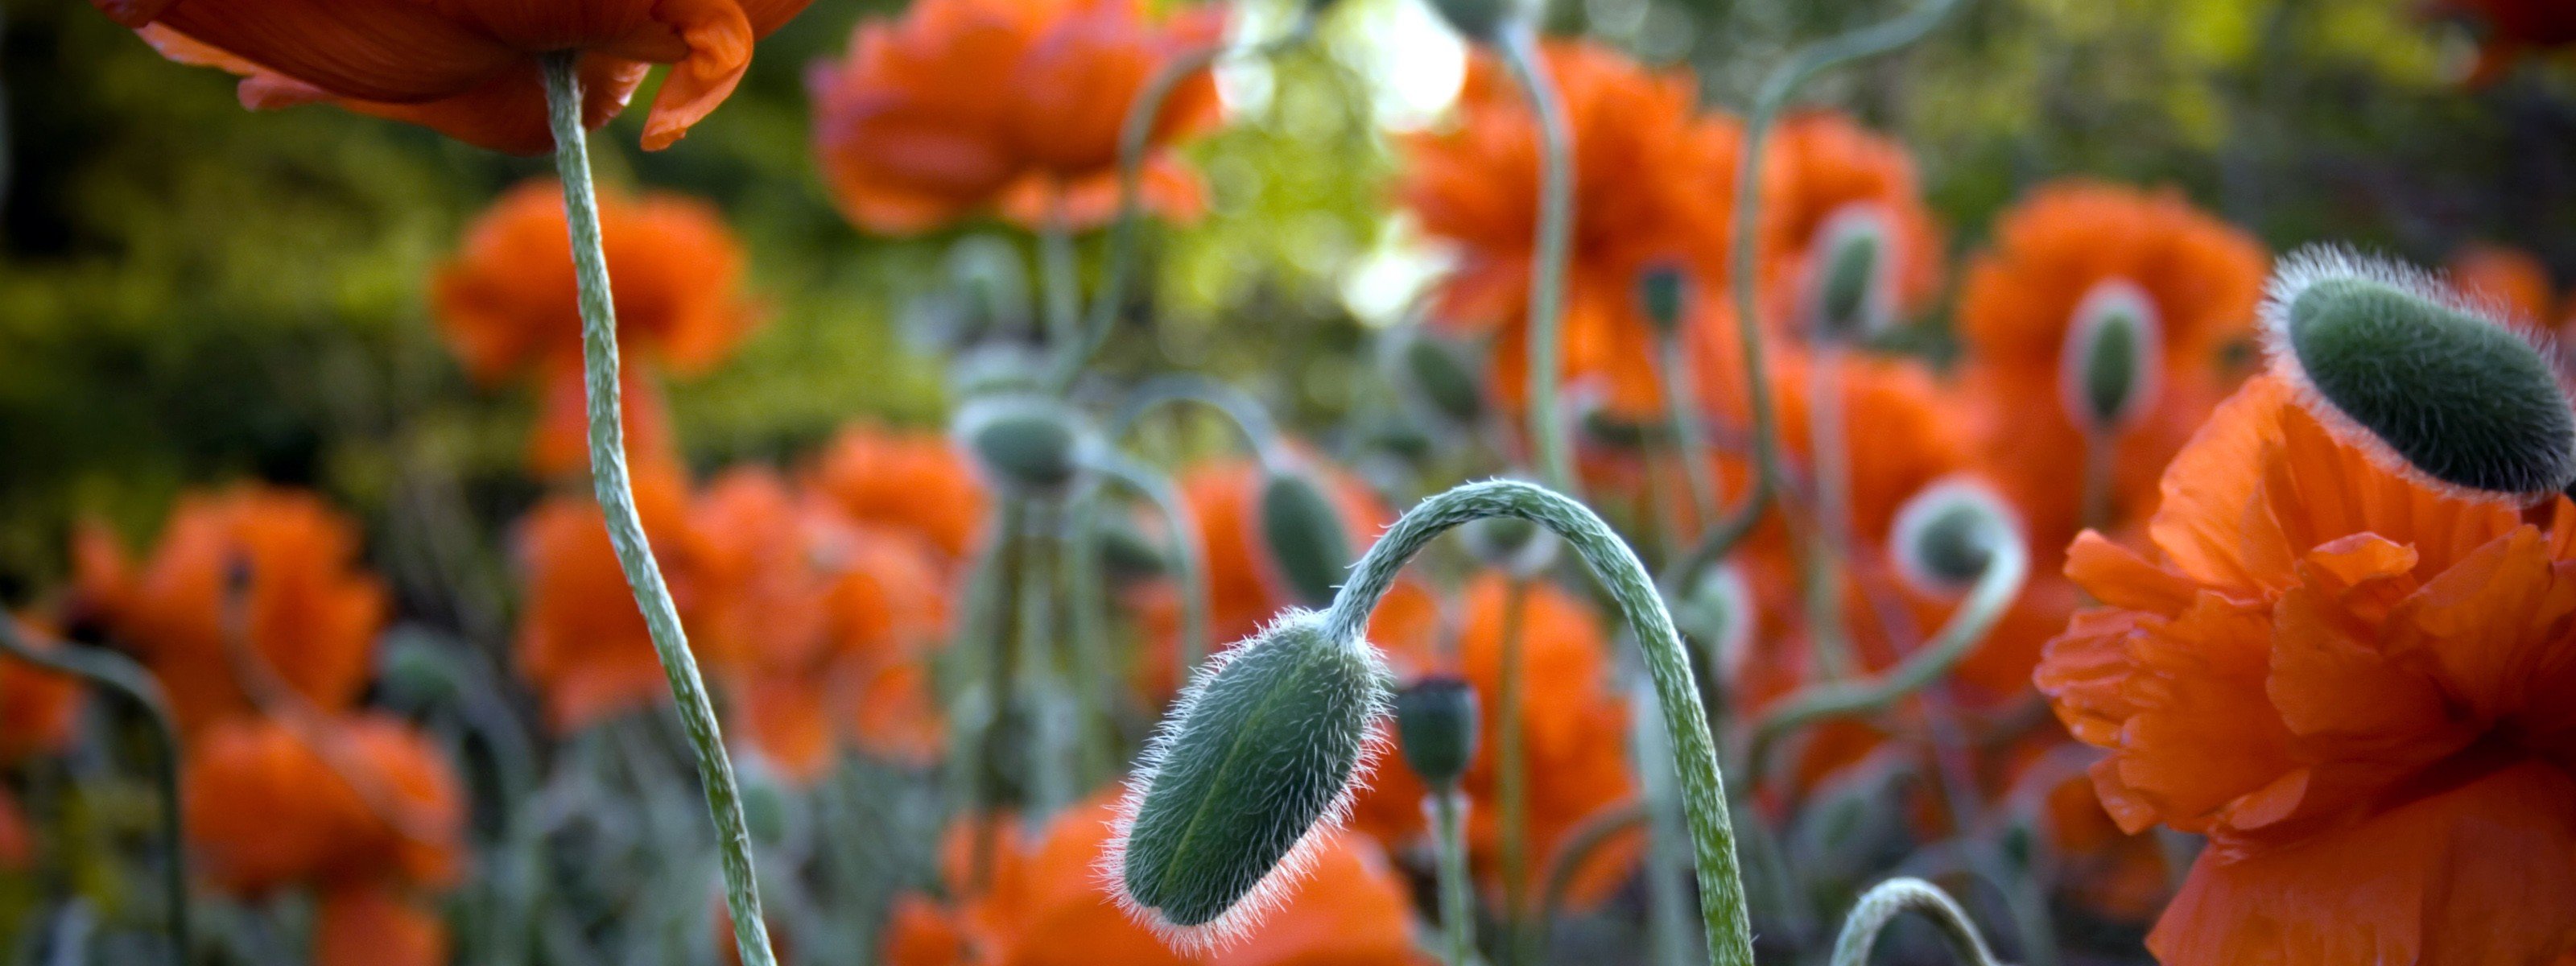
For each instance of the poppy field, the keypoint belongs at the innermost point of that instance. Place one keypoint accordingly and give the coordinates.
(1287, 482)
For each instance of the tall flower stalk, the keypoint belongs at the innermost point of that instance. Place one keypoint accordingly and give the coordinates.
(615, 493)
(1518, 45)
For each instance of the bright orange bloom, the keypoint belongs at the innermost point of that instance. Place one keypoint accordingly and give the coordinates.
(2510, 29)
(2509, 278)
(582, 641)
(1651, 186)
(371, 925)
(277, 568)
(905, 481)
(2353, 685)
(1820, 164)
(361, 799)
(1574, 721)
(1045, 906)
(2064, 245)
(467, 68)
(509, 303)
(963, 105)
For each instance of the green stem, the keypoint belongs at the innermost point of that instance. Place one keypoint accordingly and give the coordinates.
(1730, 937)
(1182, 527)
(1448, 808)
(1895, 897)
(1578, 846)
(1095, 681)
(1690, 439)
(1249, 418)
(625, 527)
(1511, 769)
(1667, 904)
(1133, 133)
(1776, 89)
(110, 671)
(1060, 272)
(1554, 247)
(1994, 591)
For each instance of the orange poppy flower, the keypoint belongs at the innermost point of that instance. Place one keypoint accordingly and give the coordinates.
(1044, 905)
(962, 105)
(2509, 29)
(37, 706)
(1651, 186)
(509, 303)
(1819, 165)
(277, 567)
(467, 69)
(2059, 250)
(1574, 726)
(2350, 684)
(559, 443)
(581, 642)
(917, 482)
(268, 806)
(371, 925)
(2511, 279)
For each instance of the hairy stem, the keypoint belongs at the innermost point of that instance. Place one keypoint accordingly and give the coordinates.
(1895, 897)
(1553, 248)
(1448, 808)
(1730, 938)
(616, 495)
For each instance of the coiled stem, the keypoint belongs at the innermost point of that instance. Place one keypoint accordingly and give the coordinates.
(1895, 897)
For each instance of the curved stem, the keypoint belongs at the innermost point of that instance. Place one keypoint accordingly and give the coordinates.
(1183, 531)
(1730, 938)
(1667, 906)
(1249, 418)
(1895, 897)
(616, 495)
(110, 671)
(1133, 133)
(1448, 810)
(1554, 246)
(1995, 590)
(1776, 89)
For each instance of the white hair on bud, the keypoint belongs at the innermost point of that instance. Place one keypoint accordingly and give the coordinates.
(1275, 888)
(1852, 221)
(2292, 276)
(2110, 296)
(1926, 507)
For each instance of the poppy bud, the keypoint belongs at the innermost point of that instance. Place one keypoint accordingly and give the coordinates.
(1024, 444)
(1477, 20)
(415, 672)
(1663, 294)
(1435, 725)
(2107, 373)
(1509, 544)
(2412, 370)
(1851, 275)
(1125, 554)
(1945, 536)
(1263, 750)
(1718, 612)
(1435, 375)
(1304, 533)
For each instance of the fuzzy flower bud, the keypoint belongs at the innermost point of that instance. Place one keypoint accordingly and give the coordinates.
(1946, 535)
(2107, 374)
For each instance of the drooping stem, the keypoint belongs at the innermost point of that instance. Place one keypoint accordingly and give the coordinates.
(1448, 808)
(1667, 662)
(1552, 248)
(1994, 591)
(1744, 253)
(1133, 133)
(1895, 897)
(1511, 768)
(110, 671)
(1260, 433)
(1667, 912)
(616, 495)
(1182, 527)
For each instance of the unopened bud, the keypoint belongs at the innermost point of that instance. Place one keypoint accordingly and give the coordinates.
(1303, 531)
(2114, 350)
(1435, 726)
(1851, 275)
(1719, 613)
(1026, 444)
(1663, 294)
(2416, 374)
(1262, 751)
(1946, 535)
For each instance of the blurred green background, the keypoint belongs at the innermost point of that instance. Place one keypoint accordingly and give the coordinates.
(190, 293)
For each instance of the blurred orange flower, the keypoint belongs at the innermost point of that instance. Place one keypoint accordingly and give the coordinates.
(906, 481)
(277, 567)
(2064, 247)
(1574, 722)
(1821, 164)
(961, 105)
(364, 800)
(467, 68)
(372, 925)
(2509, 29)
(2353, 685)
(1044, 905)
(1651, 186)
(2512, 279)
(581, 642)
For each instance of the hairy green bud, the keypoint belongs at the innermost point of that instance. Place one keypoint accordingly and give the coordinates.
(1262, 752)
(1946, 535)
(2435, 386)
(1852, 275)
(1663, 294)
(1435, 727)
(1303, 531)
(2107, 374)
(1024, 444)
